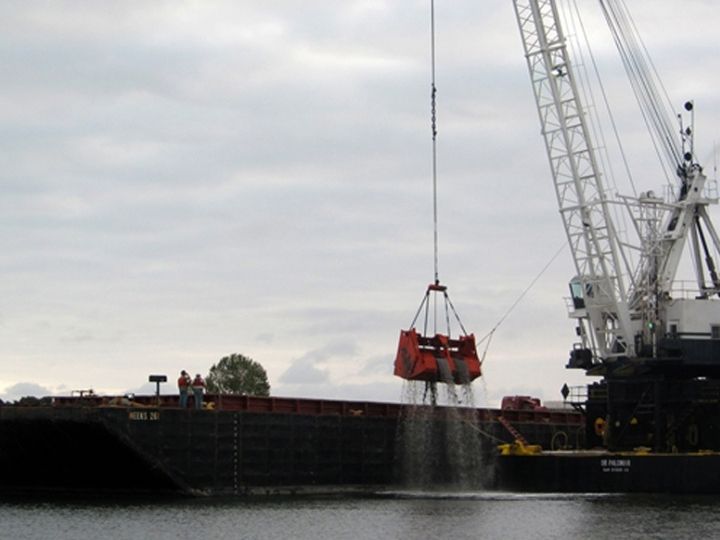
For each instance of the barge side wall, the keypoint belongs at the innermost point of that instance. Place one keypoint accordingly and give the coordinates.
(213, 452)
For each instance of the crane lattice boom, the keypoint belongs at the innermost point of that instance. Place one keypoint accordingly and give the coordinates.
(578, 182)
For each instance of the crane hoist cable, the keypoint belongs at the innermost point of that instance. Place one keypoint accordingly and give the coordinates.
(440, 357)
(433, 126)
(646, 84)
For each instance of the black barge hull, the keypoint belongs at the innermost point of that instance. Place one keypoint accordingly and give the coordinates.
(606, 472)
(244, 445)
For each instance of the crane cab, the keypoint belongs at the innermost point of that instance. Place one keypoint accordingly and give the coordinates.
(576, 293)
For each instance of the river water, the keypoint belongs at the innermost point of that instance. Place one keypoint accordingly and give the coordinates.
(400, 515)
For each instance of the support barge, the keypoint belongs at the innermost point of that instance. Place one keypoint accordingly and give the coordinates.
(243, 445)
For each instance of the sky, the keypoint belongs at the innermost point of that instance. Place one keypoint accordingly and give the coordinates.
(183, 180)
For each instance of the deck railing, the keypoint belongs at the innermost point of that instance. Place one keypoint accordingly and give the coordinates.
(303, 406)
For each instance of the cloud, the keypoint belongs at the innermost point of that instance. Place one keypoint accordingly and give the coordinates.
(150, 388)
(303, 371)
(23, 389)
(377, 364)
(309, 369)
(184, 181)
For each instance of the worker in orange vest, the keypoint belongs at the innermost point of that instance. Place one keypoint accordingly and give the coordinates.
(198, 386)
(183, 387)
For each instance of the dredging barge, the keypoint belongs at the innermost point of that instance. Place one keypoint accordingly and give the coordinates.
(242, 445)
(255, 445)
(653, 340)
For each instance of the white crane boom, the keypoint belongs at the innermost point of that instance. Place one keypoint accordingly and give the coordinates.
(578, 183)
(656, 347)
(640, 320)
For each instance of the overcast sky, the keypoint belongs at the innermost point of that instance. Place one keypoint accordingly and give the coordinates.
(185, 180)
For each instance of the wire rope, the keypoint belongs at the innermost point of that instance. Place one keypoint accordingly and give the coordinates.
(522, 295)
(433, 125)
(606, 102)
(640, 72)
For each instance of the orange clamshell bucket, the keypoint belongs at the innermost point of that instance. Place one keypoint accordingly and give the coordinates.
(437, 359)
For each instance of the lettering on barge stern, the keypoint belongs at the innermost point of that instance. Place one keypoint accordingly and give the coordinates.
(615, 465)
(144, 415)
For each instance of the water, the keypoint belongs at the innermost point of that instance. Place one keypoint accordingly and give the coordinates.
(402, 515)
(412, 514)
(441, 446)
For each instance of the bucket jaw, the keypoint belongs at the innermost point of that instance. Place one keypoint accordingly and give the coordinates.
(437, 359)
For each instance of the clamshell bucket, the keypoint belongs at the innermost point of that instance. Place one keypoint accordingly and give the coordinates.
(437, 359)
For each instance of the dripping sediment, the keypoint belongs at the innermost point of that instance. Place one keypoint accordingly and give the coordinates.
(439, 447)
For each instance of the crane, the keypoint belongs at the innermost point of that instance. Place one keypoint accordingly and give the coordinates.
(656, 349)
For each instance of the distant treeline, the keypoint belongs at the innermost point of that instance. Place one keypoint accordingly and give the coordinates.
(28, 401)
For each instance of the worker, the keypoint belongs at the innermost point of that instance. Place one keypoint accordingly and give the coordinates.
(183, 387)
(198, 386)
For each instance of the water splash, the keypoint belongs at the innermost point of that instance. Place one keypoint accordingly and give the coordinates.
(439, 447)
